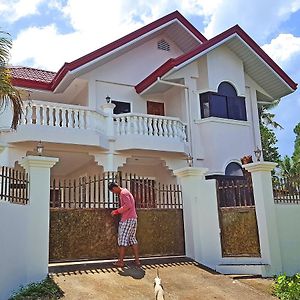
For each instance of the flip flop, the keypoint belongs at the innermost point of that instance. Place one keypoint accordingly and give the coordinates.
(119, 264)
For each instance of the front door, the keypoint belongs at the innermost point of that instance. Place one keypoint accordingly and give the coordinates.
(155, 108)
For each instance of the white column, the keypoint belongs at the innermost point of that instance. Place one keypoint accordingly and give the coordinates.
(266, 215)
(37, 236)
(108, 108)
(200, 212)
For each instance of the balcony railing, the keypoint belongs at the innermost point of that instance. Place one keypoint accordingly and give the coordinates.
(150, 125)
(61, 115)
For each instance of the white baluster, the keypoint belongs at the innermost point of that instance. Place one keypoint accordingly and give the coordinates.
(155, 128)
(63, 117)
(123, 124)
(170, 128)
(184, 133)
(160, 129)
(128, 123)
(150, 128)
(38, 114)
(23, 116)
(44, 115)
(51, 116)
(141, 125)
(117, 122)
(135, 125)
(175, 130)
(146, 131)
(81, 120)
(165, 128)
(75, 118)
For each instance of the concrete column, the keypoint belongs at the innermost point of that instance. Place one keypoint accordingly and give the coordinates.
(200, 212)
(37, 237)
(266, 215)
(108, 108)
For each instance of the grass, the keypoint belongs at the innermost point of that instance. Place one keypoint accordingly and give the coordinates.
(44, 290)
(287, 287)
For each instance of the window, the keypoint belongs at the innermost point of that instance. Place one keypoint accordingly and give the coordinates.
(234, 169)
(223, 104)
(121, 107)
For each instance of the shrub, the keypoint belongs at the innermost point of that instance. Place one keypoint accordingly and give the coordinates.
(46, 289)
(287, 287)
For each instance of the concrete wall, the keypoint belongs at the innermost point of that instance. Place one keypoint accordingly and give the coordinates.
(288, 224)
(15, 251)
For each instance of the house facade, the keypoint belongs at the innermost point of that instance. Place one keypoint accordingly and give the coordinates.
(146, 102)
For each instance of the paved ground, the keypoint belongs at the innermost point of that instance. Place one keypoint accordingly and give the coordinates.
(182, 279)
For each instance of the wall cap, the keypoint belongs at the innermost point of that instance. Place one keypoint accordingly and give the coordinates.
(38, 161)
(190, 171)
(264, 166)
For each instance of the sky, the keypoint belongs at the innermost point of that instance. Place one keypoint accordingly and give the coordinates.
(47, 33)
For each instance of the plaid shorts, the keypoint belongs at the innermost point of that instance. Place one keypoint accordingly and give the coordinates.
(126, 232)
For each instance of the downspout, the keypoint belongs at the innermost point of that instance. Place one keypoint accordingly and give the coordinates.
(186, 91)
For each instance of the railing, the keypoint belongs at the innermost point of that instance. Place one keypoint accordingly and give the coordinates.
(61, 115)
(13, 185)
(150, 125)
(92, 192)
(235, 192)
(287, 189)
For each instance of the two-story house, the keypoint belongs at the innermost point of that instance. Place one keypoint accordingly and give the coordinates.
(142, 104)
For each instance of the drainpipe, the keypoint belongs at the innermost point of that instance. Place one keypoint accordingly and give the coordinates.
(186, 91)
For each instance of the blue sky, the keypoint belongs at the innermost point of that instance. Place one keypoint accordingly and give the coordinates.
(47, 33)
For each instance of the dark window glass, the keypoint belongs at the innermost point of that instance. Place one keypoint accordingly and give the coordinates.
(224, 104)
(234, 169)
(218, 106)
(121, 107)
(236, 108)
(226, 89)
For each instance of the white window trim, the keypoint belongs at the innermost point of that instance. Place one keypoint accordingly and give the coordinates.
(221, 120)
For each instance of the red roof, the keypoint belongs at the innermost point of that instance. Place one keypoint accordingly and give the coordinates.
(37, 77)
(171, 63)
(106, 49)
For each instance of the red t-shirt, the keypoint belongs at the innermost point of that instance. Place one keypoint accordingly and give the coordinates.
(127, 208)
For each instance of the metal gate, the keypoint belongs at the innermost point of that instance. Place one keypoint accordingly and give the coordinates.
(237, 217)
(81, 226)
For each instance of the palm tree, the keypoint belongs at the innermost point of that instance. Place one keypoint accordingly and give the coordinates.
(9, 95)
(265, 117)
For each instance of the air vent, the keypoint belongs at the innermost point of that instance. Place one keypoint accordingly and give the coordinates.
(163, 45)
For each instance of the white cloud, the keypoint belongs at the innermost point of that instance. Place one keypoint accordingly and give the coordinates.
(96, 23)
(284, 49)
(14, 10)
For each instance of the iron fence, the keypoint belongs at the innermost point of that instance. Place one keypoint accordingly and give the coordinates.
(14, 185)
(286, 189)
(93, 192)
(235, 192)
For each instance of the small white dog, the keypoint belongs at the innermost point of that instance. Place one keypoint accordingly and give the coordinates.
(158, 288)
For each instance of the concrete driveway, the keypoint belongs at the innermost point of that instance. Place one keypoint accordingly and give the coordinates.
(182, 279)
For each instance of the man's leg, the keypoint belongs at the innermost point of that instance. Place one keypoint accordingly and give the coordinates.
(135, 249)
(122, 250)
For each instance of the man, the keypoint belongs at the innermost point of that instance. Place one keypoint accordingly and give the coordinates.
(127, 225)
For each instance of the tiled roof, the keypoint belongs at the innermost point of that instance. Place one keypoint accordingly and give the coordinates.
(32, 74)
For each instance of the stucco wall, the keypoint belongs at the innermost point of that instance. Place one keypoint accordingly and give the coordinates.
(288, 224)
(14, 248)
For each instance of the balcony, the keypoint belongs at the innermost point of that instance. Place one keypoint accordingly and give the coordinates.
(74, 124)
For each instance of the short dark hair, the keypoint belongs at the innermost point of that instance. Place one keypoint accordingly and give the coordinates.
(111, 185)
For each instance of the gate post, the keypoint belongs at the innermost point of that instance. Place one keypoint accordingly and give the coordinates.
(200, 213)
(37, 233)
(266, 215)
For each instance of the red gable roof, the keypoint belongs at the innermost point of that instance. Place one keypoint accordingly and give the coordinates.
(23, 76)
(171, 63)
(32, 83)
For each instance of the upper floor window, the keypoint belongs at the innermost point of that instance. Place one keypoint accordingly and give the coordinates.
(121, 107)
(223, 104)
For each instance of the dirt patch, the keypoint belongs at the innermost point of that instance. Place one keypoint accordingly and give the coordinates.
(182, 279)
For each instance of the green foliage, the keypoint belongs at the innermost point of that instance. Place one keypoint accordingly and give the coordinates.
(269, 140)
(287, 287)
(296, 154)
(46, 289)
